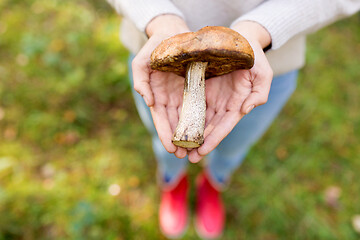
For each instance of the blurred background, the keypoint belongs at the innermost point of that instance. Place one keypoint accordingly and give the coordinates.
(76, 161)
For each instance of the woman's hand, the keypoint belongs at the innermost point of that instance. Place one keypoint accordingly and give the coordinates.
(231, 96)
(161, 91)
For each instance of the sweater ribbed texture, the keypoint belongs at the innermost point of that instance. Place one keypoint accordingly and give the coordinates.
(286, 18)
(282, 18)
(141, 12)
(287, 21)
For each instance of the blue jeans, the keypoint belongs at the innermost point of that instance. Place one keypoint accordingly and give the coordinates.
(230, 153)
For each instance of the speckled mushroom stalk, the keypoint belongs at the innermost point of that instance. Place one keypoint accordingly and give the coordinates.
(189, 132)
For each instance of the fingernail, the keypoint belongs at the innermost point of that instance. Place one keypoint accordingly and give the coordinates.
(250, 108)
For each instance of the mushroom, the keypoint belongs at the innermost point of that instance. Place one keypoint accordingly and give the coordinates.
(209, 52)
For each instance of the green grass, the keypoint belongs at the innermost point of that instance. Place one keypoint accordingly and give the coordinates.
(69, 130)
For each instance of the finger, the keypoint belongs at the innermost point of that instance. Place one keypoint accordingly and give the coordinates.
(253, 100)
(162, 125)
(180, 152)
(194, 156)
(219, 132)
(259, 93)
(141, 76)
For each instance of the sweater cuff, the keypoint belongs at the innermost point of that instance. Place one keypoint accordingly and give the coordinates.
(141, 12)
(282, 19)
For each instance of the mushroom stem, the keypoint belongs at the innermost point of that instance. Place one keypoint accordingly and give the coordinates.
(189, 132)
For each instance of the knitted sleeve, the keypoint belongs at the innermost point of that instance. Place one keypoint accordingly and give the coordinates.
(284, 19)
(141, 12)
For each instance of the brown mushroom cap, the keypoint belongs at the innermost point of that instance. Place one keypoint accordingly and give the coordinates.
(224, 49)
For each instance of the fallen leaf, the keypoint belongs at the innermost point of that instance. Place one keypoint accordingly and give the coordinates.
(281, 153)
(134, 181)
(69, 116)
(47, 171)
(2, 113)
(22, 59)
(332, 195)
(10, 133)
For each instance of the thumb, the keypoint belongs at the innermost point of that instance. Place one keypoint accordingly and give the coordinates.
(259, 93)
(142, 81)
(255, 99)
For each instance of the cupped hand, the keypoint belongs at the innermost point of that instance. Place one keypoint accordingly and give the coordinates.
(230, 97)
(161, 91)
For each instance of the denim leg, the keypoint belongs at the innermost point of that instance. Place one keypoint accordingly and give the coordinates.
(170, 167)
(229, 154)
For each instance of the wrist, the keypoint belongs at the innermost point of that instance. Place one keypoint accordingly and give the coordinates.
(166, 25)
(254, 33)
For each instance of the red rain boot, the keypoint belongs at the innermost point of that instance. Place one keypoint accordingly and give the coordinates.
(210, 213)
(173, 211)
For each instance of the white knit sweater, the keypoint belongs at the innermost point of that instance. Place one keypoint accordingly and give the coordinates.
(287, 21)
